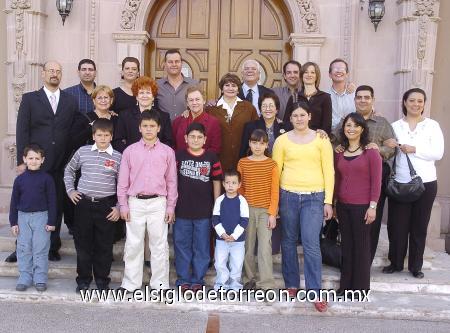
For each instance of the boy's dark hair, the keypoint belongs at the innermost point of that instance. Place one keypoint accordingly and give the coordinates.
(365, 88)
(35, 148)
(196, 127)
(232, 173)
(86, 61)
(103, 124)
(150, 115)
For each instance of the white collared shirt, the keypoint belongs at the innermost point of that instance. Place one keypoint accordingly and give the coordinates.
(57, 94)
(342, 105)
(230, 108)
(255, 95)
(108, 150)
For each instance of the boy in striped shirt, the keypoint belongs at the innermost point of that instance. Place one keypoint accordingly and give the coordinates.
(95, 205)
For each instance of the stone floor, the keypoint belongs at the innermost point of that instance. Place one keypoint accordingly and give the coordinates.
(395, 296)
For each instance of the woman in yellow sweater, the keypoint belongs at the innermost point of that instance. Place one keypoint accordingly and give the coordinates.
(305, 164)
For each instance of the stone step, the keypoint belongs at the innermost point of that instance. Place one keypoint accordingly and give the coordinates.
(7, 244)
(435, 281)
(404, 306)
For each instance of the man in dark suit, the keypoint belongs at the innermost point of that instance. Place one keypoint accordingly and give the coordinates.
(250, 89)
(45, 117)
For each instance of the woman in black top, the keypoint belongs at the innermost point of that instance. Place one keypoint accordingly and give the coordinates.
(127, 132)
(124, 98)
(319, 101)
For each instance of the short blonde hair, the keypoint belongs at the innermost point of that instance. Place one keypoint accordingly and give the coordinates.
(103, 88)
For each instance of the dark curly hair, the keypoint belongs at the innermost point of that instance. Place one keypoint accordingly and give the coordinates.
(360, 121)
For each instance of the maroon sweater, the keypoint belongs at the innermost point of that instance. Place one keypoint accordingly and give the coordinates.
(358, 181)
(212, 126)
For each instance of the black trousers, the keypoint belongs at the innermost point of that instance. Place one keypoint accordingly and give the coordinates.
(69, 207)
(94, 236)
(355, 242)
(58, 178)
(375, 226)
(410, 220)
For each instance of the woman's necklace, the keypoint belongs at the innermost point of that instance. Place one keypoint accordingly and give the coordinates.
(353, 151)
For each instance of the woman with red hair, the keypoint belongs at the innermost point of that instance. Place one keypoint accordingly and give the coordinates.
(127, 132)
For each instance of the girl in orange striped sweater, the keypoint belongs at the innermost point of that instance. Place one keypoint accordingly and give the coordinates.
(260, 187)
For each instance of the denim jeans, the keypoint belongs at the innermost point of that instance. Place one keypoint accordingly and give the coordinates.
(33, 243)
(301, 214)
(229, 278)
(191, 244)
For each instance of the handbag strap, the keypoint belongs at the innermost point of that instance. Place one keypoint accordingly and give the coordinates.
(412, 171)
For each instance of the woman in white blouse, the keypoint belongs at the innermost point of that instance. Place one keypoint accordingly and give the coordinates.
(421, 138)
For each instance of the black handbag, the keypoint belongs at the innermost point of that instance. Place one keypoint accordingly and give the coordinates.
(330, 245)
(404, 192)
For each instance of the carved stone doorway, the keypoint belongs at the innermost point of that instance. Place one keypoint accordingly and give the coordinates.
(216, 36)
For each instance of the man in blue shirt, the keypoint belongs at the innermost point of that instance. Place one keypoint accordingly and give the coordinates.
(82, 91)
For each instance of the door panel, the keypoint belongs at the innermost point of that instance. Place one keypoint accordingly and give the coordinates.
(216, 36)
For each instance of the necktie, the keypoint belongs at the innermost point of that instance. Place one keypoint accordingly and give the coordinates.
(249, 96)
(53, 102)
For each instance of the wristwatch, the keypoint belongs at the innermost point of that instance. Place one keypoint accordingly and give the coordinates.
(373, 206)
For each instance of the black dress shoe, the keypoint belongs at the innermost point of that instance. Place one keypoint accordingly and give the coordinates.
(82, 287)
(340, 292)
(418, 275)
(250, 285)
(54, 256)
(390, 269)
(12, 257)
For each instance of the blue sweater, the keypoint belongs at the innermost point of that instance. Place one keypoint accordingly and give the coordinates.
(33, 191)
(231, 214)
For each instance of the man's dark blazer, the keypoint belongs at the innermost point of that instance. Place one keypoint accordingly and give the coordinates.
(37, 123)
(278, 129)
(127, 130)
(261, 90)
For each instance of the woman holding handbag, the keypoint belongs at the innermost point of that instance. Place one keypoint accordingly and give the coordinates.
(357, 189)
(420, 140)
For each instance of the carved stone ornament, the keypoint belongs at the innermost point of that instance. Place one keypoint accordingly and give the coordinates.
(18, 88)
(12, 153)
(424, 8)
(19, 6)
(129, 12)
(308, 15)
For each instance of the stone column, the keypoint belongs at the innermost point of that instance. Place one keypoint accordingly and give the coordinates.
(417, 32)
(131, 44)
(24, 20)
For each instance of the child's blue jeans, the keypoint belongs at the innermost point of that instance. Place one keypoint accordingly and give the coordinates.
(33, 243)
(234, 252)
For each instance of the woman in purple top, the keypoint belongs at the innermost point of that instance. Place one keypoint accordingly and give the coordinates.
(357, 189)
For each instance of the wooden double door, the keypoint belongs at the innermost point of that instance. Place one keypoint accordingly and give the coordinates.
(216, 36)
